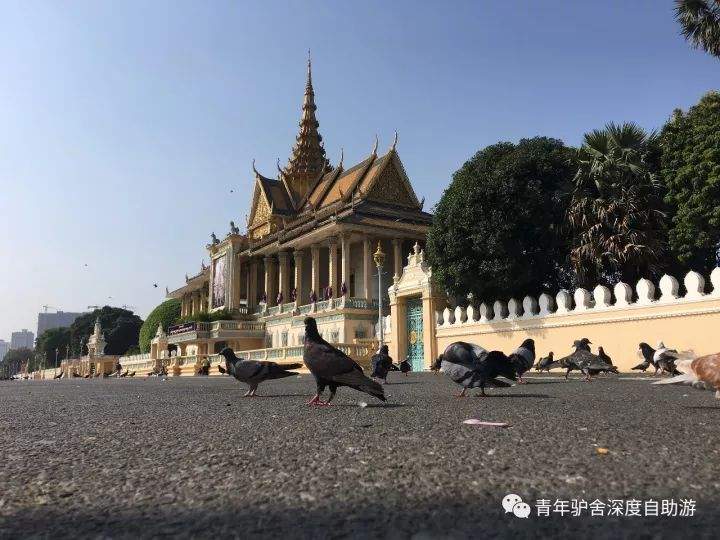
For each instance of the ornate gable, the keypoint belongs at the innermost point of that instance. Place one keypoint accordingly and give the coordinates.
(391, 186)
(259, 223)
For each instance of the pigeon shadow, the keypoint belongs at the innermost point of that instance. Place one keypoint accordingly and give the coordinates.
(531, 381)
(398, 383)
(281, 395)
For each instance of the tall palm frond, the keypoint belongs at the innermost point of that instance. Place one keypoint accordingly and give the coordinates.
(700, 21)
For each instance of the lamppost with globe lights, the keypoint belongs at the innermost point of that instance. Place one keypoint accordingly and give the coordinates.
(379, 258)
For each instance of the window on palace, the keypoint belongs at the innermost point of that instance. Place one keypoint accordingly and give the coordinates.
(284, 339)
(334, 336)
(360, 333)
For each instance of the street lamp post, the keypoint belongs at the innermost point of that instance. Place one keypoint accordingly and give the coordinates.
(379, 258)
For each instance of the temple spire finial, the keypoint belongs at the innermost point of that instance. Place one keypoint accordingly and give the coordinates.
(308, 160)
(375, 147)
(394, 144)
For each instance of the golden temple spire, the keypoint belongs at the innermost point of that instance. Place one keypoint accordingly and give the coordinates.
(308, 160)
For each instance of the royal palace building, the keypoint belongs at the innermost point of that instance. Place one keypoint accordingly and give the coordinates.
(307, 249)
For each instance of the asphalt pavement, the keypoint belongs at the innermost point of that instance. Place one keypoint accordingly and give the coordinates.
(192, 458)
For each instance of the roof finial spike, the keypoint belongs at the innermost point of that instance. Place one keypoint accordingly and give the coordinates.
(254, 169)
(309, 75)
(374, 150)
(394, 144)
(342, 156)
(278, 167)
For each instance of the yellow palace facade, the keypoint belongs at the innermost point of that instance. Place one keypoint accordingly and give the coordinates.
(307, 249)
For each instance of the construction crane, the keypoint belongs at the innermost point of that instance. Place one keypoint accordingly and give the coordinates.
(46, 307)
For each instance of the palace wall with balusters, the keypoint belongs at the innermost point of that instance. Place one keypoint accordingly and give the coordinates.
(618, 320)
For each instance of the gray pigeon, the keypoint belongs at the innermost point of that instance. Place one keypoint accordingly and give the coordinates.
(523, 358)
(662, 359)
(253, 372)
(584, 360)
(546, 363)
(333, 368)
(471, 366)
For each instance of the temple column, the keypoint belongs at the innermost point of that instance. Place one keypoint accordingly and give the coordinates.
(397, 257)
(183, 306)
(270, 280)
(252, 299)
(284, 275)
(315, 253)
(229, 270)
(235, 282)
(344, 262)
(333, 267)
(367, 267)
(299, 285)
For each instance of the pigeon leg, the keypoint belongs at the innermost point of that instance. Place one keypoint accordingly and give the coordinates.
(462, 394)
(520, 380)
(332, 395)
(567, 373)
(252, 391)
(315, 400)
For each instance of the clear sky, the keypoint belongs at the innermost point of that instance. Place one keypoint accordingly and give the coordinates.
(124, 125)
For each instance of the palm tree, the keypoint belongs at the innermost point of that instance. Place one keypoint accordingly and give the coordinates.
(615, 213)
(700, 21)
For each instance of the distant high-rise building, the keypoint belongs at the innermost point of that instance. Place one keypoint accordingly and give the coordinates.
(46, 321)
(4, 348)
(24, 338)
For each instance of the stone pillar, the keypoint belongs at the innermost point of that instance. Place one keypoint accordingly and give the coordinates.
(315, 285)
(367, 268)
(253, 298)
(344, 263)
(270, 280)
(235, 282)
(333, 267)
(284, 275)
(299, 285)
(229, 271)
(397, 257)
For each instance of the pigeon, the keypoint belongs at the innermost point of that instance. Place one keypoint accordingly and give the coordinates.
(545, 363)
(605, 358)
(702, 373)
(222, 369)
(332, 367)
(471, 366)
(254, 372)
(584, 360)
(435, 365)
(382, 364)
(155, 285)
(132, 374)
(405, 367)
(602, 354)
(523, 358)
(662, 359)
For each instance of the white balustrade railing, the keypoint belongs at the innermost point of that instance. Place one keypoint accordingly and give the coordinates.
(582, 300)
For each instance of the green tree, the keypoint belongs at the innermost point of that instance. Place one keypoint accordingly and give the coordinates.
(120, 326)
(616, 212)
(497, 230)
(691, 173)
(14, 360)
(54, 339)
(700, 22)
(166, 314)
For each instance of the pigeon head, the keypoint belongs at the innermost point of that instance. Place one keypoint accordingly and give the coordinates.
(228, 353)
(384, 349)
(311, 330)
(583, 343)
(529, 344)
(646, 350)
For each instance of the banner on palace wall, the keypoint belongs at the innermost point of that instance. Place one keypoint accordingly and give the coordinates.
(218, 282)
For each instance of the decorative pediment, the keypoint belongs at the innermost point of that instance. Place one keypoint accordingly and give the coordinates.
(391, 185)
(416, 276)
(259, 220)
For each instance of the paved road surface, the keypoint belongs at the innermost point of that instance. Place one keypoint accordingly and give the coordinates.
(191, 458)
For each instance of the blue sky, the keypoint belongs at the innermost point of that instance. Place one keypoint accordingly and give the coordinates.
(124, 125)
